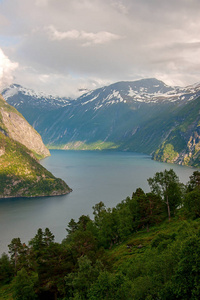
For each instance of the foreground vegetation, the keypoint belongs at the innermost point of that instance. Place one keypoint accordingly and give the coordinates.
(147, 247)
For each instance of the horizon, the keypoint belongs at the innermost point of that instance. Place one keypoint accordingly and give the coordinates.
(85, 91)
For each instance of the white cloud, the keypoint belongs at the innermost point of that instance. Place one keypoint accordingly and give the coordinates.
(58, 35)
(6, 70)
(99, 37)
(87, 38)
(58, 84)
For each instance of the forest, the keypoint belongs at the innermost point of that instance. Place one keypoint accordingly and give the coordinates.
(147, 247)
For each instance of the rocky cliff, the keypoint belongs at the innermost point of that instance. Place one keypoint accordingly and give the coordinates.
(182, 144)
(14, 125)
(21, 175)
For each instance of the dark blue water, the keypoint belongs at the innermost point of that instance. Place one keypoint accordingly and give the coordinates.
(94, 176)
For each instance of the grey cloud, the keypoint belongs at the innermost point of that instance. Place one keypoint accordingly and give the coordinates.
(88, 38)
(102, 40)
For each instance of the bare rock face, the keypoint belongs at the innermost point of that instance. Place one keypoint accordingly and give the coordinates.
(193, 149)
(20, 130)
(2, 151)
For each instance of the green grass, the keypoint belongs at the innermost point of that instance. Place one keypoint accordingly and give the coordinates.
(6, 292)
(22, 176)
(139, 242)
(80, 145)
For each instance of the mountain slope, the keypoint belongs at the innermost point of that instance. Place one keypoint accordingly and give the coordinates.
(133, 116)
(13, 124)
(21, 175)
(109, 115)
(182, 145)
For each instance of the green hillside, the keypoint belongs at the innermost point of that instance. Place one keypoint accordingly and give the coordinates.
(22, 176)
(182, 144)
(134, 251)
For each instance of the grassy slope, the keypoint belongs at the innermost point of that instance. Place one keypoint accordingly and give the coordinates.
(140, 242)
(136, 252)
(22, 176)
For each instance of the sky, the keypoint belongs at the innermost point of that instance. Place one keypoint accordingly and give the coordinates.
(60, 47)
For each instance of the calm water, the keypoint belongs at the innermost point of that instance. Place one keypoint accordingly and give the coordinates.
(94, 176)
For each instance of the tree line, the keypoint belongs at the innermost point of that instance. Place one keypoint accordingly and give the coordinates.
(80, 267)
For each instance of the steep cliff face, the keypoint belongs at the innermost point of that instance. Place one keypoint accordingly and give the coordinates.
(182, 145)
(14, 125)
(21, 175)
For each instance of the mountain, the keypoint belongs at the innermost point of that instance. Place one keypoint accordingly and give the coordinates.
(132, 116)
(182, 142)
(21, 175)
(22, 96)
(13, 124)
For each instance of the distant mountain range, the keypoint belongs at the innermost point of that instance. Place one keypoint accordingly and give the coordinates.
(146, 116)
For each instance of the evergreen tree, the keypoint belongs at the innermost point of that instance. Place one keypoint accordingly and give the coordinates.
(6, 269)
(24, 286)
(48, 237)
(18, 252)
(72, 227)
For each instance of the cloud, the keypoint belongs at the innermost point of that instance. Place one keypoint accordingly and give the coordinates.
(41, 3)
(6, 70)
(100, 41)
(58, 84)
(87, 38)
(120, 7)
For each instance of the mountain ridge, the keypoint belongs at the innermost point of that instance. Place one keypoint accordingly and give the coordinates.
(127, 115)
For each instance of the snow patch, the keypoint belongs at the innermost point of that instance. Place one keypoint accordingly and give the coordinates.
(98, 106)
(10, 93)
(91, 100)
(115, 94)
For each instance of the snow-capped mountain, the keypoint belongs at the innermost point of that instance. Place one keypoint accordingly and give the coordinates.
(19, 96)
(141, 91)
(118, 115)
(129, 92)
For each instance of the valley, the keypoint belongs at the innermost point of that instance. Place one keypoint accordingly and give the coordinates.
(139, 231)
(145, 116)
